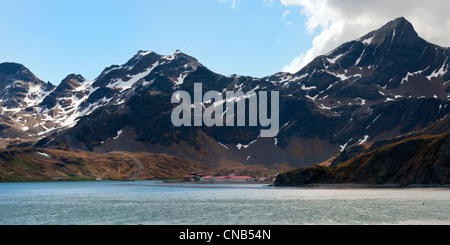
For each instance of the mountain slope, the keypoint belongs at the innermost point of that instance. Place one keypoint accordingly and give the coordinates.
(422, 158)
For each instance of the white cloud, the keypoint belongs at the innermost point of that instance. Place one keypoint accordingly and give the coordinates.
(234, 3)
(284, 18)
(269, 2)
(339, 21)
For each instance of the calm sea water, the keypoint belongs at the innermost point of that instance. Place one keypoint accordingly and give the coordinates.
(156, 203)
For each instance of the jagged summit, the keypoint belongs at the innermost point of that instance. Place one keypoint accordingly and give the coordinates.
(144, 52)
(71, 82)
(399, 25)
(148, 66)
(398, 32)
(73, 77)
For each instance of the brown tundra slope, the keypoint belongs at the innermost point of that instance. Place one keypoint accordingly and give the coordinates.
(35, 164)
(51, 165)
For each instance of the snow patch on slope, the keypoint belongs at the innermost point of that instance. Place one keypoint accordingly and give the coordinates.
(363, 140)
(119, 83)
(333, 60)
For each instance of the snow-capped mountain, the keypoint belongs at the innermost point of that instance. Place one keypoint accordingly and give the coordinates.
(388, 82)
(389, 64)
(32, 109)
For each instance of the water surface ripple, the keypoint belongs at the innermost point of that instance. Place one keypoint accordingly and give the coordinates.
(156, 203)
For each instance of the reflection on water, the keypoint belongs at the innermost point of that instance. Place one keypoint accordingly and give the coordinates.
(156, 203)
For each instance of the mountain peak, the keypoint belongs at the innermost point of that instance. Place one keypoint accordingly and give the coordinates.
(70, 82)
(10, 68)
(10, 72)
(401, 24)
(400, 20)
(399, 30)
(73, 76)
(141, 53)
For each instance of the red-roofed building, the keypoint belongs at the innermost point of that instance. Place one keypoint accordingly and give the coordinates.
(241, 178)
(221, 178)
(234, 178)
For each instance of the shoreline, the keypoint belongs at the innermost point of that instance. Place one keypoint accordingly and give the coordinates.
(364, 186)
(267, 184)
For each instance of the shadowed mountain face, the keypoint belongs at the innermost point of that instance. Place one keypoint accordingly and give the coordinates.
(387, 83)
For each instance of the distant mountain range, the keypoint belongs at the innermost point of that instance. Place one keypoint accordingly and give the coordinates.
(388, 83)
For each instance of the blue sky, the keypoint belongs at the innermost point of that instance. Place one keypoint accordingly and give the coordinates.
(54, 38)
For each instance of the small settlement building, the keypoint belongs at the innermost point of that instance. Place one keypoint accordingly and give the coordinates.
(263, 179)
